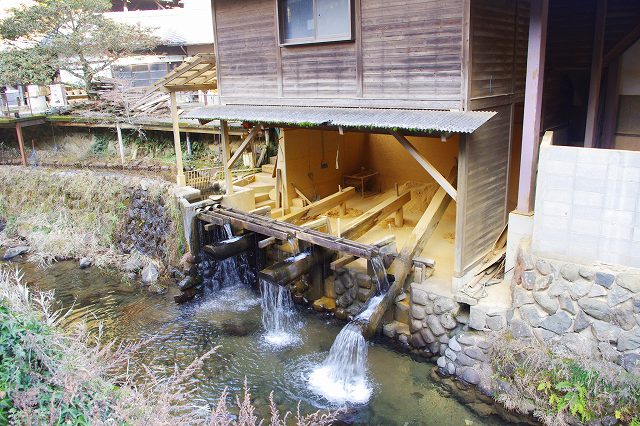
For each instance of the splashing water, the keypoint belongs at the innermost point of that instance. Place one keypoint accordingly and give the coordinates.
(278, 315)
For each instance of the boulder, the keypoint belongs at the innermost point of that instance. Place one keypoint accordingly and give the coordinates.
(442, 305)
(566, 304)
(629, 340)
(595, 308)
(12, 252)
(578, 344)
(629, 281)
(454, 345)
(579, 289)
(464, 360)
(623, 315)
(605, 332)
(531, 315)
(558, 287)
(450, 354)
(521, 297)
(448, 321)
(476, 353)
(427, 335)
(417, 341)
(558, 323)
(581, 322)
(630, 362)
(417, 312)
(442, 362)
(608, 352)
(477, 319)
(570, 272)
(85, 263)
(617, 295)
(519, 329)
(419, 297)
(434, 325)
(496, 322)
(150, 273)
(547, 303)
(470, 376)
(604, 279)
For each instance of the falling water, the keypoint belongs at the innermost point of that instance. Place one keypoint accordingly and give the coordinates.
(278, 315)
(342, 377)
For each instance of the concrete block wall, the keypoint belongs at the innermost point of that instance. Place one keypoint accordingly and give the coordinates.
(588, 205)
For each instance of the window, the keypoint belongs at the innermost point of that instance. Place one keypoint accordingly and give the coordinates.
(315, 21)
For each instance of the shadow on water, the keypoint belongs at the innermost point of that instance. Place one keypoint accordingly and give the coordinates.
(401, 389)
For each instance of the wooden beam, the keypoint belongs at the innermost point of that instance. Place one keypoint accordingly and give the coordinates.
(176, 138)
(301, 195)
(413, 247)
(620, 47)
(435, 174)
(23, 154)
(267, 242)
(321, 206)
(226, 153)
(532, 104)
(252, 134)
(591, 128)
(371, 218)
(342, 262)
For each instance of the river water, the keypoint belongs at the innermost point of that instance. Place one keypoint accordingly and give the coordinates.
(402, 392)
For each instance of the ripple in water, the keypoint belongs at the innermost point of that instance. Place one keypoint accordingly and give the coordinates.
(278, 315)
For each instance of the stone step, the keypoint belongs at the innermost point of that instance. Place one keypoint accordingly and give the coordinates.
(268, 203)
(260, 187)
(268, 168)
(262, 197)
(265, 178)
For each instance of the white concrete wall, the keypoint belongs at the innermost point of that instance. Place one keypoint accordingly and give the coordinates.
(588, 205)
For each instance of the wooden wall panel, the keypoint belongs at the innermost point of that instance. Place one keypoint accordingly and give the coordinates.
(521, 47)
(492, 47)
(319, 71)
(481, 214)
(412, 49)
(246, 48)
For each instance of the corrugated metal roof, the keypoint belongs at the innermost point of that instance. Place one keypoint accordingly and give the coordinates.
(362, 118)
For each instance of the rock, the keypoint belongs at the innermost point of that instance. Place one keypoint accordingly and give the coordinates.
(451, 368)
(434, 324)
(579, 289)
(417, 341)
(629, 340)
(630, 362)
(477, 319)
(415, 325)
(364, 294)
(557, 323)
(529, 279)
(188, 258)
(464, 360)
(471, 376)
(623, 315)
(158, 288)
(521, 297)
(595, 308)
(597, 291)
(636, 305)
(525, 259)
(629, 281)
(608, 352)
(419, 297)
(186, 295)
(557, 288)
(442, 305)
(466, 339)
(581, 322)
(544, 335)
(450, 354)
(428, 308)
(466, 299)
(389, 330)
(454, 345)
(417, 312)
(149, 273)
(403, 339)
(496, 322)
(519, 329)
(566, 304)
(543, 283)
(189, 282)
(578, 344)
(442, 362)
(617, 295)
(85, 263)
(338, 287)
(531, 315)
(604, 279)
(12, 252)
(548, 304)
(570, 272)
(586, 273)
(605, 332)
(543, 267)
(427, 335)
(476, 353)
(448, 321)
(401, 297)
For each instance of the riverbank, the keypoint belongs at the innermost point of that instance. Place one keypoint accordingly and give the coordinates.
(106, 218)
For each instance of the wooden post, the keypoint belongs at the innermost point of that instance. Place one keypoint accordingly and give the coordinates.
(23, 155)
(591, 129)
(180, 179)
(611, 104)
(399, 218)
(120, 143)
(226, 155)
(532, 104)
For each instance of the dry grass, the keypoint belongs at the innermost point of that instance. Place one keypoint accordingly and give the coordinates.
(53, 377)
(75, 214)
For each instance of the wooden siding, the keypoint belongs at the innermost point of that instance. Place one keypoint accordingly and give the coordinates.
(246, 45)
(482, 189)
(522, 45)
(412, 49)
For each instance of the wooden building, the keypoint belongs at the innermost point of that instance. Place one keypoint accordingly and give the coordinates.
(410, 91)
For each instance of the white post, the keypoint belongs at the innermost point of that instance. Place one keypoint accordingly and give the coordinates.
(226, 154)
(120, 143)
(176, 139)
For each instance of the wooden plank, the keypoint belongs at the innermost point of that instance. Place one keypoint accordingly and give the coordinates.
(301, 195)
(252, 134)
(266, 242)
(342, 262)
(372, 217)
(321, 206)
(23, 155)
(435, 174)
(414, 245)
(591, 128)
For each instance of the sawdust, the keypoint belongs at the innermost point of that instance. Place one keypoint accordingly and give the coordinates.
(335, 212)
(421, 195)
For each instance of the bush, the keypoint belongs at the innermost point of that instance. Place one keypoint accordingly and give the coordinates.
(561, 389)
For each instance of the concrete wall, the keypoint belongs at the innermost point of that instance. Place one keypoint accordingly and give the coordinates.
(588, 205)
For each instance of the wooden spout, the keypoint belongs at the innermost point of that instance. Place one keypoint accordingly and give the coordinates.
(227, 248)
(282, 273)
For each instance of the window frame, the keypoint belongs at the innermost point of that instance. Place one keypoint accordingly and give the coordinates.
(283, 41)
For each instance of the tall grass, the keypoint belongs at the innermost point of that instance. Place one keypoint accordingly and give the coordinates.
(48, 376)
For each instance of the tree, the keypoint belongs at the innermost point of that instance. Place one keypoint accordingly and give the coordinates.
(69, 35)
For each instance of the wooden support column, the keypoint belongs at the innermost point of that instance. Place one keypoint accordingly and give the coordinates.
(591, 129)
(180, 179)
(120, 143)
(23, 154)
(532, 104)
(610, 119)
(252, 134)
(226, 153)
(435, 174)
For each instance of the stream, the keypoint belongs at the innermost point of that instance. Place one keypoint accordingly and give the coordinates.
(402, 392)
